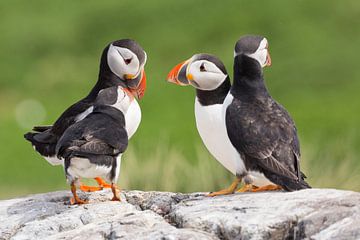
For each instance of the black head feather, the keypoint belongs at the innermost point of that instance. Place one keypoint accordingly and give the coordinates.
(248, 44)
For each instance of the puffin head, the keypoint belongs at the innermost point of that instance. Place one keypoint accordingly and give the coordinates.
(255, 47)
(202, 71)
(126, 59)
(115, 96)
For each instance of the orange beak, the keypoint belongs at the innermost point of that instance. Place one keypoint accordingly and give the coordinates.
(268, 59)
(139, 91)
(173, 75)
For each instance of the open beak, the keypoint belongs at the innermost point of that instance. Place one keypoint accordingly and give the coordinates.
(139, 91)
(178, 74)
(268, 59)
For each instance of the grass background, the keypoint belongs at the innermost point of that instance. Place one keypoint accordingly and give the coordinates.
(50, 50)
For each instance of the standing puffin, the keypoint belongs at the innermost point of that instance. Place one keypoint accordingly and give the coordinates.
(93, 146)
(208, 75)
(122, 64)
(260, 129)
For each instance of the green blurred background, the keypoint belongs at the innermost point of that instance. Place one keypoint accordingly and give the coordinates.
(49, 57)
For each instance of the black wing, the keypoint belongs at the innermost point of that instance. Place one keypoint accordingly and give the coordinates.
(44, 138)
(68, 117)
(98, 134)
(266, 135)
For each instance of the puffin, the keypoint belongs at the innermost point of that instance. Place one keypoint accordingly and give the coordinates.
(260, 129)
(122, 64)
(208, 75)
(93, 146)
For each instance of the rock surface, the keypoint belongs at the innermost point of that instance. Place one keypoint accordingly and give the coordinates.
(306, 214)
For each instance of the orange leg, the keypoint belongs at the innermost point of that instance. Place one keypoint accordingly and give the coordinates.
(226, 191)
(102, 184)
(116, 192)
(270, 187)
(76, 199)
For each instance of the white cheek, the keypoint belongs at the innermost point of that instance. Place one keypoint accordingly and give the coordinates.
(133, 67)
(117, 65)
(260, 56)
(115, 62)
(208, 80)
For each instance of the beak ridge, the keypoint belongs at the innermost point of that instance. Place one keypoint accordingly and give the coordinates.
(139, 90)
(268, 59)
(173, 75)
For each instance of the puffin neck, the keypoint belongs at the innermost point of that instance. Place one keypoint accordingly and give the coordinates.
(248, 76)
(106, 78)
(215, 96)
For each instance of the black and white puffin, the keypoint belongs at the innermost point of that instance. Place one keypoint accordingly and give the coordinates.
(92, 147)
(260, 129)
(122, 64)
(208, 75)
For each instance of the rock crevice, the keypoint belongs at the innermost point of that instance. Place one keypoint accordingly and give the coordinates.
(306, 214)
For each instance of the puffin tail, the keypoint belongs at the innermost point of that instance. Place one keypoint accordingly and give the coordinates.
(44, 148)
(295, 185)
(41, 128)
(30, 137)
(287, 183)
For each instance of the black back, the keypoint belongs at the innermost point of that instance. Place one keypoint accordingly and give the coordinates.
(101, 133)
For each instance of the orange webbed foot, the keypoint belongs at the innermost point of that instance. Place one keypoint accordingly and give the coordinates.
(116, 199)
(246, 188)
(226, 191)
(85, 188)
(270, 187)
(77, 201)
(116, 192)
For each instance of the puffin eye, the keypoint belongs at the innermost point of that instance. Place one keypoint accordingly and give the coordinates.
(202, 68)
(127, 61)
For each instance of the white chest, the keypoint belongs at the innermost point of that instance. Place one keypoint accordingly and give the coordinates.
(132, 118)
(212, 130)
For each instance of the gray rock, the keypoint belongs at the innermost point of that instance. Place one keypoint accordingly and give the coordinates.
(306, 214)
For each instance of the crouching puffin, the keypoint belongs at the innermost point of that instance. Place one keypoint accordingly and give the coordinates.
(93, 146)
(122, 64)
(260, 129)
